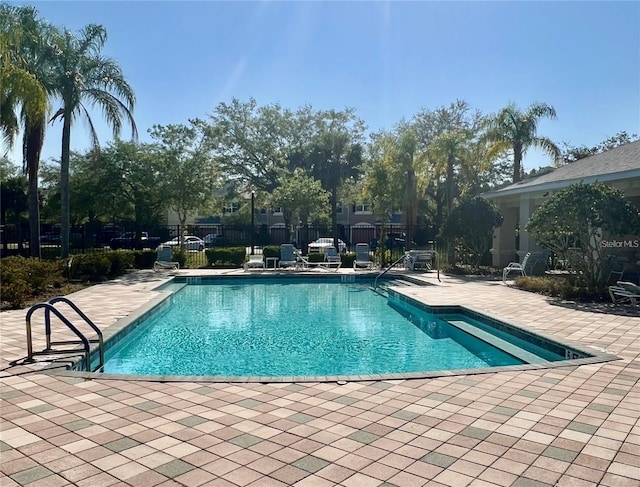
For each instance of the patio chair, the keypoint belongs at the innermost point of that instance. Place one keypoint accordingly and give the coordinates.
(332, 260)
(516, 267)
(254, 262)
(418, 259)
(163, 259)
(288, 257)
(362, 257)
(625, 292)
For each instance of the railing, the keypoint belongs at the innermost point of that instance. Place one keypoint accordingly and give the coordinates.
(375, 282)
(49, 309)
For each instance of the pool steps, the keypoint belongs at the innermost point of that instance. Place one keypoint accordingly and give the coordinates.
(511, 349)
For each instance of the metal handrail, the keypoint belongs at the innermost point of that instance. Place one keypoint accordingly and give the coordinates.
(375, 282)
(83, 340)
(72, 305)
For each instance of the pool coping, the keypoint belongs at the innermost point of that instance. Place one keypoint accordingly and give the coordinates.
(124, 326)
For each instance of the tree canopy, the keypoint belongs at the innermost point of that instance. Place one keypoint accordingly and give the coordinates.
(576, 222)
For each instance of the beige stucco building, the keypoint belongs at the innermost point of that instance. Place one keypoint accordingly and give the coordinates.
(619, 168)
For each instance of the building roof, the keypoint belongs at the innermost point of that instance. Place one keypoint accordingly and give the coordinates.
(622, 162)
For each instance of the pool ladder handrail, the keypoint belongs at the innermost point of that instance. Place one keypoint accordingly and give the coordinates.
(375, 282)
(82, 339)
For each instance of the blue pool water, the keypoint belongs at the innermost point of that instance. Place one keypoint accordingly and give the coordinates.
(284, 328)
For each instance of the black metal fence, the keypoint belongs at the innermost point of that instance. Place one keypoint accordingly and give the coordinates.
(14, 239)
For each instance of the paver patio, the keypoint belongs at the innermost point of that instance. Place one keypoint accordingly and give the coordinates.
(568, 426)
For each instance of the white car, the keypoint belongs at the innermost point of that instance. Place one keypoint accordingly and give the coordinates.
(191, 242)
(324, 242)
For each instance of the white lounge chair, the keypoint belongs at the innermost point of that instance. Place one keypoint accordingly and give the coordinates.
(362, 257)
(254, 262)
(516, 267)
(332, 260)
(288, 256)
(625, 292)
(163, 259)
(418, 259)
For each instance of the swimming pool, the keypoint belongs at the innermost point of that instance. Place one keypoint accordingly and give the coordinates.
(313, 328)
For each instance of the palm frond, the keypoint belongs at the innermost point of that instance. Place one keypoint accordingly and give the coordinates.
(548, 147)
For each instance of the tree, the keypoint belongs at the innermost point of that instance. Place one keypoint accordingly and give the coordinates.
(13, 199)
(447, 151)
(583, 217)
(514, 130)
(450, 153)
(380, 185)
(335, 153)
(470, 225)
(254, 145)
(572, 154)
(25, 80)
(189, 175)
(301, 196)
(84, 77)
(19, 88)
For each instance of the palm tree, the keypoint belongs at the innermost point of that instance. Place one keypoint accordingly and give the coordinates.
(512, 129)
(83, 76)
(446, 151)
(24, 69)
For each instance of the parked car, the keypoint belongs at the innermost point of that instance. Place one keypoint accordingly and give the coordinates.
(50, 238)
(393, 241)
(324, 242)
(397, 241)
(132, 240)
(212, 239)
(191, 242)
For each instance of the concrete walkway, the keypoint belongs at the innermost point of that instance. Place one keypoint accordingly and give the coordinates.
(570, 426)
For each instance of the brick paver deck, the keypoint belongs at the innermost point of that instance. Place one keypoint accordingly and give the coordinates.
(569, 426)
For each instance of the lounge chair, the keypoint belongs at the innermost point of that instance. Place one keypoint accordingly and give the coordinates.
(362, 257)
(254, 262)
(163, 259)
(418, 259)
(288, 257)
(332, 260)
(516, 267)
(625, 292)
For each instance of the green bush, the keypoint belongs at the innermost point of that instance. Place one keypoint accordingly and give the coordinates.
(271, 251)
(144, 259)
(347, 259)
(563, 287)
(318, 257)
(179, 255)
(94, 266)
(235, 256)
(21, 278)
(121, 260)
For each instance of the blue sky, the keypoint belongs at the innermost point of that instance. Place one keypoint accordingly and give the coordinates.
(385, 59)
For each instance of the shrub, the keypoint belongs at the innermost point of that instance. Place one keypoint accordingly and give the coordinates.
(179, 255)
(584, 216)
(21, 278)
(235, 256)
(470, 227)
(271, 251)
(563, 287)
(94, 266)
(318, 257)
(121, 260)
(144, 259)
(347, 259)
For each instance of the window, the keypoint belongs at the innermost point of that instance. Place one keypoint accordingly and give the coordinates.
(231, 207)
(338, 208)
(277, 210)
(363, 208)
